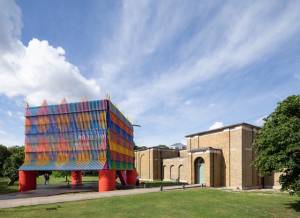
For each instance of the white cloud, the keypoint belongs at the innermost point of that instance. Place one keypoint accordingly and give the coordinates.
(236, 37)
(2, 132)
(205, 41)
(143, 26)
(183, 141)
(188, 102)
(9, 113)
(216, 125)
(260, 121)
(21, 116)
(37, 71)
(10, 24)
(191, 44)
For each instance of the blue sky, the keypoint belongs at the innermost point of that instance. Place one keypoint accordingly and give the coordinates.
(174, 67)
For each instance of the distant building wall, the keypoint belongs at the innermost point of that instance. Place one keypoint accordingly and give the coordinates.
(174, 169)
(235, 144)
(149, 162)
(227, 155)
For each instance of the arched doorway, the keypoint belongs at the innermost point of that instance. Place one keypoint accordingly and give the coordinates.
(199, 171)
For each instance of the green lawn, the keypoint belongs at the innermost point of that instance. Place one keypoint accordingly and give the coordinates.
(181, 203)
(4, 188)
(62, 180)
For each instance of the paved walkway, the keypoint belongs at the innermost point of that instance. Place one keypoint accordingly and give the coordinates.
(49, 190)
(26, 199)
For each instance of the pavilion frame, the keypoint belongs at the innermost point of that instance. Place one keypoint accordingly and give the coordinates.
(88, 135)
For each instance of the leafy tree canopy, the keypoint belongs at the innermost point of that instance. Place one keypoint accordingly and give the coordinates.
(162, 146)
(136, 148)
(4, 154)
(278, 144)
(12, 163)
(61, 174)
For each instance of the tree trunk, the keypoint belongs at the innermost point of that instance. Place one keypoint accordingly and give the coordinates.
(11, 181)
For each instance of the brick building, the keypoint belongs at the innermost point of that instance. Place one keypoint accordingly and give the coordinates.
(218, 158)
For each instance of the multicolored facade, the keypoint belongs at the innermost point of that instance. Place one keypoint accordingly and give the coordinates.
(90, 135)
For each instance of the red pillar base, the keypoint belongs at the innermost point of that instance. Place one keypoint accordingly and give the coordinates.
(76, 178)
(131, 177)
(107, 180)
(27, 180)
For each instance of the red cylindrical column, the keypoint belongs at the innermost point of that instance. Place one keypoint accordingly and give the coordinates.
(107, 180)
(27, 180)
(131, 177)
(76, 178)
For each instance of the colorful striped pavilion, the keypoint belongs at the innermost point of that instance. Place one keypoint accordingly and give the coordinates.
(89, 135)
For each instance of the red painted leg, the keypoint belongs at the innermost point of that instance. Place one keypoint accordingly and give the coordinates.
(107, 180)
(76, 178)
(27, 180)
(131, 177)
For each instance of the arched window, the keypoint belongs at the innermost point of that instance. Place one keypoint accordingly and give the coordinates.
(181, 173)
(173, 173)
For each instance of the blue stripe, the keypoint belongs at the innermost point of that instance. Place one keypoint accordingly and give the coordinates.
(92, 165)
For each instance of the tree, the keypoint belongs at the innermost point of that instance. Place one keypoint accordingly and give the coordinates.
(277, 144)
(13, 163)
(137, 148)
(61, 174)
(4, 154)
(162, 146)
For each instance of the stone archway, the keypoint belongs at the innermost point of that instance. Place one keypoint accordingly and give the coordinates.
(199, 167)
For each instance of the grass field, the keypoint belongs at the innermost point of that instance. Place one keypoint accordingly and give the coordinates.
(62, 180)
(4, 188)
(182, 203)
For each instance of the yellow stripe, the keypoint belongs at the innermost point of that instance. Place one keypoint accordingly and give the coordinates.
(120, 149)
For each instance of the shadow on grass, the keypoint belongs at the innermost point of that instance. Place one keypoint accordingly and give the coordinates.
(153, 184)
(294, 205)
(5, 188)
